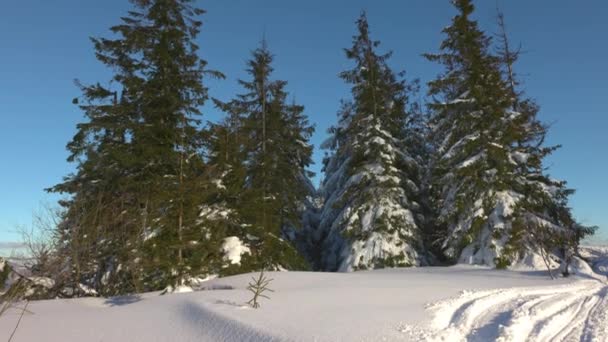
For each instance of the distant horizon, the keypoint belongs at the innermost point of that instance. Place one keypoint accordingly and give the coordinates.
(563, 68)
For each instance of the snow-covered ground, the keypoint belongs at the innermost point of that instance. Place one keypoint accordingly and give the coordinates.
(419, 304)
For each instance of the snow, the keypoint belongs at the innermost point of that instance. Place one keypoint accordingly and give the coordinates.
(460, 101)
(513, 114)
(214, 212)
(540, 313)
(520, 157)
(233, 249)
(414, 304)
(219, 183)
(183, 288)
(598, 256)
(150, 234)
(532, 261)
(570, 311)
(366, 218)
(463, 98)
(474, 159)
(459, 145)
(42, 281)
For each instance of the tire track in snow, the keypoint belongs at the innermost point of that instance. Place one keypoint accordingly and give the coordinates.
(596, 326)
(519, 318)
(577, 311)
(574, 330)
(548, 316)
(552, 324)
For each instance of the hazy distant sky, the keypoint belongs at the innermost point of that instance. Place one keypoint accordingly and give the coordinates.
(44, 45)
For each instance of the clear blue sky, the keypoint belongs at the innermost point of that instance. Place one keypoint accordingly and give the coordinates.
(45, 45)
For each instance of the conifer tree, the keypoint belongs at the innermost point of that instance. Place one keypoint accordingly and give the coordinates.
(544, 220)
(490, 194)
(370, 217)
(98, 228)
(137, 186)
(274, 137)
(224, 184)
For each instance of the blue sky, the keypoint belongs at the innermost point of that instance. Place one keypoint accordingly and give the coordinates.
(45, 46)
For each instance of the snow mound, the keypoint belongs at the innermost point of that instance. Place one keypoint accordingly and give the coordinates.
(533, 261)
(179, 289)
(233, 249)
(598, 258)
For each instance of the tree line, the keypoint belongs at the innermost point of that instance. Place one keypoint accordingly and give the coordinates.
(160, 198)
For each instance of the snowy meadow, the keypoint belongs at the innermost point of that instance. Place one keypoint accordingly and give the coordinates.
(458, 303)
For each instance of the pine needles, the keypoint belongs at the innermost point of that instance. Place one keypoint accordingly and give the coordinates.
(258, 287)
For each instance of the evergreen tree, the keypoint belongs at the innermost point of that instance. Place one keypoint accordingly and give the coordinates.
(544, 220)
(225, 179)
(491, 197)
(98, 227)
(273, 138)
(370, 217)
(134, 196)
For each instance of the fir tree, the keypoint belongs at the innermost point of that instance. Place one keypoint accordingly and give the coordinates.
(139, 163)
(98, 228)
(224, 183)
(543, 219)
(372, 180)
(273, 136)
(490, 194)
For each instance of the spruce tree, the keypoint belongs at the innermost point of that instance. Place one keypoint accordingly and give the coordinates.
(370, 216)
(224, 183)
(274, 136)
(543, 219)
(134, 196)
(100, 225)
(491, 197)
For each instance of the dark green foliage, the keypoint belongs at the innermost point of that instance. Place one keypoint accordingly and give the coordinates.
(262, 153)
(488, 184)
(138, 156)
(470, 165)
(502, 262)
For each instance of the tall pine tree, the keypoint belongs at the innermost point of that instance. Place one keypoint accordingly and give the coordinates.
(544, 220)
(371, 210)
(273, 137)
(493, 203)
(145, 150)
(98, 227)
